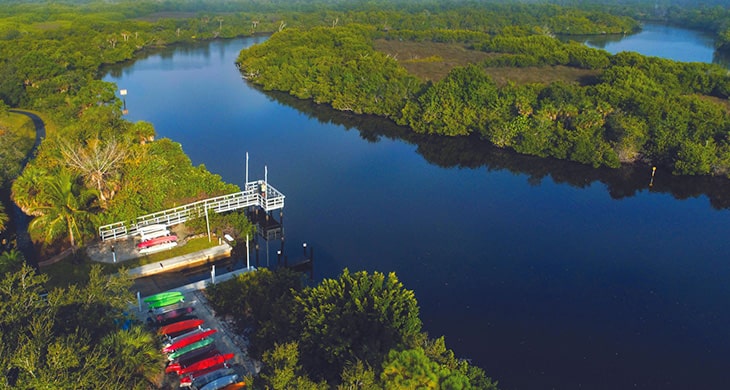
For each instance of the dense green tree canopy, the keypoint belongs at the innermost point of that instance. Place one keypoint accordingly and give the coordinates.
(357, 329)
(71, 338)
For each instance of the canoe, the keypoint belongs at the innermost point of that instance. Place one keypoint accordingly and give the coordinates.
(156, 241)
(187, 379)
(187, 341)
(196, 345)
(205, 363)
(173, 340)
(166, 301)
(221, 382)
(192, 358)
(204, 379)
(235, 386)
(162, 295)
(180, 326)
(157, 248)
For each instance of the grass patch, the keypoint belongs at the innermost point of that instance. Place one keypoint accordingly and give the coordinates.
(75, 269)
(542, 74)
(154, 17)
(433, 61)
(429, 60)
(192, 245)
(49, 26)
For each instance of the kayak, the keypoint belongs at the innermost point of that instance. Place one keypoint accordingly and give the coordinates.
(202, 380)
(187, 379)
(198, 344)
(156, 241)
(173, 340)
(188, 340)
(220, 382)
(235, 386)
(205, 363)
(166, 301)
(192, 358)
(162, 295)
(161, 317)
(179, 326)
(165, 309)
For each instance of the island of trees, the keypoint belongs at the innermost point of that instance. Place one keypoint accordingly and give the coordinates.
(359, 330)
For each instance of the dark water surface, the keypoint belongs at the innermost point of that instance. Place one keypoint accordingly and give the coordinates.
(546, 274)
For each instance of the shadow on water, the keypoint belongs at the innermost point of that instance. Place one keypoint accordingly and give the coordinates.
(470, 152)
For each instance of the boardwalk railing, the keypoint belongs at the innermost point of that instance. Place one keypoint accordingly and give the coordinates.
(257, 193)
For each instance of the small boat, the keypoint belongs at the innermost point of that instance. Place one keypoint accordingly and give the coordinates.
(221, 382)
(187, 379)
(192, 358)
(235, 386)
(180, 326)
(156, 241)
(166, 302)
(202, 380)
(187, 341)
(157, 248)
(205, 363)
(192, 347)
(162, 295)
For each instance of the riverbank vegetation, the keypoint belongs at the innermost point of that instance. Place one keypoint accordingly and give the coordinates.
(95, 167)
(626, 108)
(359, 330)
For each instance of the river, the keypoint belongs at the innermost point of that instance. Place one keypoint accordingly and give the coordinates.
(546, 274)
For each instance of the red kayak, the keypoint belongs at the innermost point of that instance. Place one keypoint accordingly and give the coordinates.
(188, 340)
(156, 241)
(200, 354)
(206, 363)
(181, 326)
(188, 378)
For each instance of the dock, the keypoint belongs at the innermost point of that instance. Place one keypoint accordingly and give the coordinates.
(204, 256)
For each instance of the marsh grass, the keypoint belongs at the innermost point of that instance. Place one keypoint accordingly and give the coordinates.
(432, 61)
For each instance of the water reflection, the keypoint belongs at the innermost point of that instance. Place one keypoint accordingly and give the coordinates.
(470, 152)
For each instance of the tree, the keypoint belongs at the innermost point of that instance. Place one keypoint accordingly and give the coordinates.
(3, 217)
(262, 301)
(137, 354)
(63, 207)
(282, 370)
(11, 261)
(98, 162)
(412, 369)
(357, 317)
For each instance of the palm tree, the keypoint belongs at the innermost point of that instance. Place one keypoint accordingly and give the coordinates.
(136, 355)
(11, 260)
(62, 207)
(26, 187)
(3, 218)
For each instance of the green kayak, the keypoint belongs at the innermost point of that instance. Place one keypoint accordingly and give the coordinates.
(166, 302)
(162, 295)
(192, 347)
